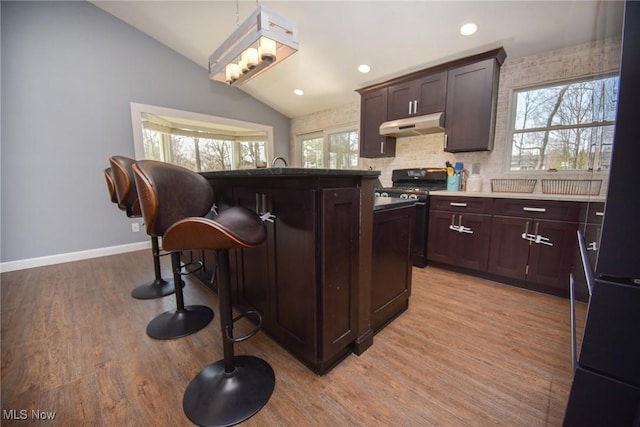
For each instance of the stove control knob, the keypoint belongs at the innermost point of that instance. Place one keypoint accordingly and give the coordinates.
(413, 196)
(377, 194)
(384, 194)
(404, 196)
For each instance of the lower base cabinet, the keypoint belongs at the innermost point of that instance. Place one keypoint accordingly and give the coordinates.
(527, 243)
(391, 264)
(546, 262)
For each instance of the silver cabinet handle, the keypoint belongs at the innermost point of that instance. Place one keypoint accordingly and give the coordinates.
(415, 107)
(446, 140)
(599, 213)
(453, 220)
(381, 147)
(527, 209)
(461, 205)
(410, 106)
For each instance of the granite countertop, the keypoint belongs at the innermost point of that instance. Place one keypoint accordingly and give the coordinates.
(527, 196)
(382, 203)
(291, 172)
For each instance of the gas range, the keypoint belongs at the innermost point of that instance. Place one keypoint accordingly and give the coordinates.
(415, 184)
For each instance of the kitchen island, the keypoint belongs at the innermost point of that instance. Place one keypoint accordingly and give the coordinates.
(311, 279)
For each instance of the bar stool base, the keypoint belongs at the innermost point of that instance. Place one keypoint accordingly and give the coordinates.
(157, 289)
(179, 323)
(215, 398)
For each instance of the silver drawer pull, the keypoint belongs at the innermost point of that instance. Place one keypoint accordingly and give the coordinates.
(527, 209)
(461, 205)
(599, 213)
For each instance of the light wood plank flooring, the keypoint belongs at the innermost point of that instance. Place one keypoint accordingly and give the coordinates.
(468, 352)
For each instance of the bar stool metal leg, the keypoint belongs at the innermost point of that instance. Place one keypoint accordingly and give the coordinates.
(185, 320)
(235, 388)
(159, 287)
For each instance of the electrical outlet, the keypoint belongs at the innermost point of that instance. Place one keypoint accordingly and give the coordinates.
(135, 227)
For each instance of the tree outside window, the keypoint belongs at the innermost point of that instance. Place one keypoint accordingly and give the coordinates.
(202, 151)
(565, 126)
(334, 149)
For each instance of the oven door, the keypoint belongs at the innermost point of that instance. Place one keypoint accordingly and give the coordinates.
(421, 225)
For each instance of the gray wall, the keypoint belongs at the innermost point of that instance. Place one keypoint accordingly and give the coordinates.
(69, 73)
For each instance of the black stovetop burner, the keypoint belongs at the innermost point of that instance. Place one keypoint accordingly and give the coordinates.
(417, 180)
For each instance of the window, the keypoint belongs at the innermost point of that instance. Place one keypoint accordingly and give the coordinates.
(332, 149)
(198, 142)
(567, 126)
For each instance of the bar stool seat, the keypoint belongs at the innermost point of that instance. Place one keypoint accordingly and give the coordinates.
(235, 388)
(123, 192)
(169, 193)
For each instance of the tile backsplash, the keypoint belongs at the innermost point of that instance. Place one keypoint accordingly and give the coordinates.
(428, 150)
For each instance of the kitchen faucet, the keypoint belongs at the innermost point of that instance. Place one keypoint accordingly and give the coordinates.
(273, 162)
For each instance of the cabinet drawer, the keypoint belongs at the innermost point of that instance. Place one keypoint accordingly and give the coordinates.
(543, 209)
(462, 204)
(592, 213)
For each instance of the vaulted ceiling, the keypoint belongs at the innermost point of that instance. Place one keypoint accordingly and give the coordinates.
(393, 37)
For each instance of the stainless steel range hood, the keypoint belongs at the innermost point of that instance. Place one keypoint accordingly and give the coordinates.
(411, 126)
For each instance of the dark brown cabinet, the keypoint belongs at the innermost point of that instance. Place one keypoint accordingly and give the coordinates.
(424, 95)
(465, 89)
(391, 264)
(472, 93)
(373, 112)
(278, 278)
(536, 244)
(460, 231)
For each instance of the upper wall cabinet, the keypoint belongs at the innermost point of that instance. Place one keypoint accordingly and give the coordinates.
(465, 89)
(472, 93)
(373, 111)
(417, 97)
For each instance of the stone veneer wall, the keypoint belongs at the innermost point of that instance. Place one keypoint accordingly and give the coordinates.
(420, 151)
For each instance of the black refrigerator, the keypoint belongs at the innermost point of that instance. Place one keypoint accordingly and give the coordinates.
(606, 384)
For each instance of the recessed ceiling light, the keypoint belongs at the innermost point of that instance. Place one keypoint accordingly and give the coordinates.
(364, 68)
(468, 29)
(298, 92)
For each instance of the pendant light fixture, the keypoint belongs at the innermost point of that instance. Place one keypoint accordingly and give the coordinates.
(262, 41)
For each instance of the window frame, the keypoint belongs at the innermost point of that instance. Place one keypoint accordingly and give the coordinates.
(511, 125)
(138, 111)
(325, 133)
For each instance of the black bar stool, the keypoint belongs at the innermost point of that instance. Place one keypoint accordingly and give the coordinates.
(235, 388)
(121, 176)
(168, 195)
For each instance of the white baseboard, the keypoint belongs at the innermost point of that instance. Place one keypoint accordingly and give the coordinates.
(72, 256)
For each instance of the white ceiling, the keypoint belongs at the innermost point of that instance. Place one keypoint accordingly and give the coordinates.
(393, 37)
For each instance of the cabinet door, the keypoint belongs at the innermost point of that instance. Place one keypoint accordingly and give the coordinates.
(391, 265)
(254, 266)
(471, 104)
(424, 95)
(472, 249)
(278, 278)
(373, 113)
(550, 265)
(431, 93)
(441, 244)
(509, 251)
(339, 269)
(400, 100)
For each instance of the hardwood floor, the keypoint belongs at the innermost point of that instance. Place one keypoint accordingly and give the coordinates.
(468, 352)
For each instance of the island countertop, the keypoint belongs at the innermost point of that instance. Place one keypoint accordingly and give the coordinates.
(290, 172)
